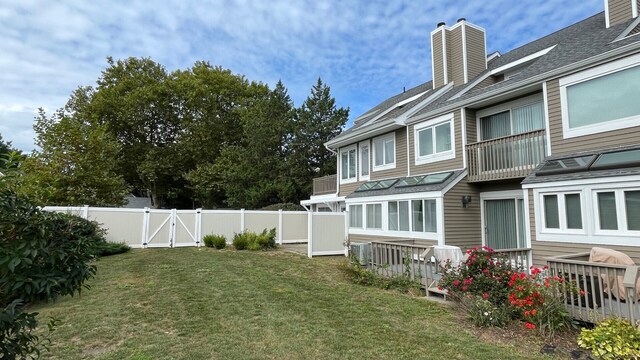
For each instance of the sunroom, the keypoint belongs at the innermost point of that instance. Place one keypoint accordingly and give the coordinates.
(586, 205)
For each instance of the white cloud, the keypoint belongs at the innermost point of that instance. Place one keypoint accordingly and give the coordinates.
(365, 50)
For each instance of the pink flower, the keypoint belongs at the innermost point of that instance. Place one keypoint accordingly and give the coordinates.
(485, 296)
(456, 283)
(464, 288)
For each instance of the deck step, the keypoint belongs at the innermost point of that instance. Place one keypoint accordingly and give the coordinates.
(435, 290)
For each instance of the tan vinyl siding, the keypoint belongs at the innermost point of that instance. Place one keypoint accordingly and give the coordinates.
(454, 56)
(444, 165)
(559, 145)
(476, 52)
(438, 64)
(472, 127)
(462, 226)
(346, 189)
(635, 30)
(490, 80)
(620, 11)
(401, 158)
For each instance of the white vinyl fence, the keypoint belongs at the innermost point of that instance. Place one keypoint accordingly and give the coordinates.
(324, 233)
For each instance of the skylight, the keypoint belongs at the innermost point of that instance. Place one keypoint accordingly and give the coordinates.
(377, 185)
(566, 165)
(617, 159)
(602, 161)
(424, 179)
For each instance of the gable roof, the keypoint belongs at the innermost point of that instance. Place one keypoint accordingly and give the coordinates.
(578, 45)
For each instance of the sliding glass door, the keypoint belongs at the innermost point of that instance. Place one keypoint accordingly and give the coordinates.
(504, 224)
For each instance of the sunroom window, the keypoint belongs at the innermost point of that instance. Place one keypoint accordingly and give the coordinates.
(374, 216)
(563, 211)
(355, 216)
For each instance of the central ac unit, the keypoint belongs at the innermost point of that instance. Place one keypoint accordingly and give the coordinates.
(361, 252)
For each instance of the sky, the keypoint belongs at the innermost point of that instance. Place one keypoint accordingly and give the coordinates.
(365, 50)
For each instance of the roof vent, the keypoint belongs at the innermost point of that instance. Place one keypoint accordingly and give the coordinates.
(461, 19)
(441, 23)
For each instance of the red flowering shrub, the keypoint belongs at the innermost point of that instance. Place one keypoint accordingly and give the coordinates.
(539, 300)
(484, 273)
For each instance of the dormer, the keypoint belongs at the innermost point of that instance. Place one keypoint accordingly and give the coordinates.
(458, 53)
(620, 11)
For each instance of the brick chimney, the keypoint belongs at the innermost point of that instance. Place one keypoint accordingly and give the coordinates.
(458, 53)
(619, 11)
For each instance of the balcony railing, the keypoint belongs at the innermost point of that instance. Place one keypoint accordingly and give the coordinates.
(610, 290)
(325, 185)
(506, 157)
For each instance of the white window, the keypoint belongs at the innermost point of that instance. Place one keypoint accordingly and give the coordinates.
(423, 216)
(348, 164)
(355, 216)
(617, 211)
(384, 152)
(374, 216)
(601, 99)
(562, 212)
(434, 140)
(399, 215)
(364, 160)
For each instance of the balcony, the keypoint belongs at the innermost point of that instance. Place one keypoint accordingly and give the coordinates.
(507, 157)
(325, 185)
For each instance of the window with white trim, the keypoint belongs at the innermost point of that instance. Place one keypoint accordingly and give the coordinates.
(384, 152)
(348, 164)
(434, 140)
(355, 216)
(423, 216)
(562, 212)
(398, 213)
(364, 160)
(617, 210)
(374, 216)
(601, 99)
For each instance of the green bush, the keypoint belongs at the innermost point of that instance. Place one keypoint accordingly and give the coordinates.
(484, 313)
(109, 248)
(612, 339)
(360, 275)
(284, 207)
(249, 240)
(215, 241)
(43, 255)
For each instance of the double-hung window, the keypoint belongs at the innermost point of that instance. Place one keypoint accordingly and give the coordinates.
(399, 215)
(355, 216)
(374, 216)
(601, 99)
(434, 140)
(384, 152)
(617, 210)
(364, 160)
(563, 212)
(348, 164)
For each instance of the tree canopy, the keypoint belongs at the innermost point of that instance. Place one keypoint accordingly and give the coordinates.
(203, 136)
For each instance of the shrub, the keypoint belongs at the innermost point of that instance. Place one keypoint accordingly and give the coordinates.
(109, 248)
(215, 241)
(539, 301)
(484, 273)
(43, 255)
(484, 313)
(612, 339)
(17, 338)
(252, 241)
(368, 277)
(284, 207)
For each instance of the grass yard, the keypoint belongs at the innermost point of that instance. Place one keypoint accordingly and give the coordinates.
(205, 304)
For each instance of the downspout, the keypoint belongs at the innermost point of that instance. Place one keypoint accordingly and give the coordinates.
(337, 177)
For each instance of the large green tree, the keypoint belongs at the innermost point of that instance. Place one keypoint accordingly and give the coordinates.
(76, 163)
(252, 173)
(318, 120)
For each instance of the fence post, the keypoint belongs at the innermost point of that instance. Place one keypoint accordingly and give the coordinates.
(346, 233)
(241, 220)
(172, 229)
(198, 231)
(310, 234)
(145, 227)
(280, 236)
(85, 212)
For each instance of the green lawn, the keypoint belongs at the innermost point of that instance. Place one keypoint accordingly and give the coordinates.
(205, 304)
